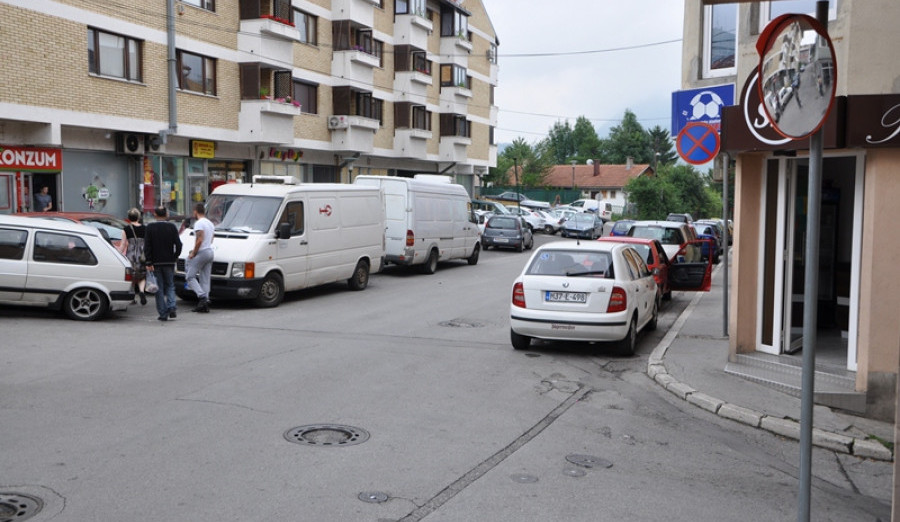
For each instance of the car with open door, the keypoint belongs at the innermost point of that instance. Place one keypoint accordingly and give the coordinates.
(690, 272)
(653, 253)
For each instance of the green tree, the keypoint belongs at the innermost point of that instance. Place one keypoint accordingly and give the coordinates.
(650, 197)
(627, 140)
(661, 152)
(690, 189)
(586, 143)
(533, 164)
(560, 145)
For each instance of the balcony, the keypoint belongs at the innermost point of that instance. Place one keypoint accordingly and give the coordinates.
(412, 143)
(455, 49)
(354, 66)
(354, 133)
(412, 30)
(454, 148)
(411, 86)
(360, 11)
(267, 121)
(268, 41)
(455, 99)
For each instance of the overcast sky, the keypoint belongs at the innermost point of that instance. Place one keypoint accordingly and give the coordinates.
(598, 85)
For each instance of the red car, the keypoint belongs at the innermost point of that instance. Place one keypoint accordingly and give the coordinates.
(111, 224)
(654, 255)
(671, 274)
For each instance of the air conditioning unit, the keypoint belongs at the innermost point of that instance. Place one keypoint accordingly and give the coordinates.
(337, 122)
(129, 143)
(153, 143)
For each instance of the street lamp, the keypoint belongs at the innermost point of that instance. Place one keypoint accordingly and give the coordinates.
(516, 170)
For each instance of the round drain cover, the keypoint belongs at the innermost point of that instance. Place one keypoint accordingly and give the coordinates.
(327, 435)
(589, 461)
(574, 472)
(16, 507)
(374, 497)
(522, 478)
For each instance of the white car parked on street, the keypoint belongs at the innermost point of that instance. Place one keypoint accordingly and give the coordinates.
(584, 291)
(63, 266)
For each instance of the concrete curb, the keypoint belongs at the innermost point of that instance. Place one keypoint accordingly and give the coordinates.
(788, 428)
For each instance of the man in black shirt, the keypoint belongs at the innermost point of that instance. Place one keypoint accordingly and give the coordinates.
(162, 246)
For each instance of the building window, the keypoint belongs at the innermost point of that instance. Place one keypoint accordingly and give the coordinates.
(368, 107)
(346, 38)
(491, 135)
(113, 55)
(492, 54)
(307, 95)
(455, 125)
(454, 22)
(421, 118)
(720, 40)
(455, 76)
(416, 7)
(196, 73)
(308, 26)
(209, 5)
(421, 63)
(771, 10)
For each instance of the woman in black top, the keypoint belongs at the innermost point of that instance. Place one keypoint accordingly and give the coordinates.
(132, 247)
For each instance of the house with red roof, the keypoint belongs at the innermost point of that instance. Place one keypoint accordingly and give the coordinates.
(596, 181)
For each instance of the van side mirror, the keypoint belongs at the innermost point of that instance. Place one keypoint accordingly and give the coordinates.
(284, 231)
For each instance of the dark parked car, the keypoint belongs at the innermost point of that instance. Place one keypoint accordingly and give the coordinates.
(708, 232)
(621, 227)
(507, 232)
(583, 225)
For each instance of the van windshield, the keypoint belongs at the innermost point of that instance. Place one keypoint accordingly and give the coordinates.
(233, 213)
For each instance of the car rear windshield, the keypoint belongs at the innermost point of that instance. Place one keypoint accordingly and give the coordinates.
(502, 222)
(666, 236)
(572, 263)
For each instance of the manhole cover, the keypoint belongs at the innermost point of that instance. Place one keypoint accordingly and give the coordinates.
(374, 497)
(574, 472)
(589, 461)
(461, 323)
(522, 478)
(15, 507)
(327, 435)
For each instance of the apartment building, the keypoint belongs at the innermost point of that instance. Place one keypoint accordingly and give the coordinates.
(113, 105)
(858, 335)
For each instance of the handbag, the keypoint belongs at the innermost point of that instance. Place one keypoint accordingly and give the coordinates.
(150, 286)
(138, 245)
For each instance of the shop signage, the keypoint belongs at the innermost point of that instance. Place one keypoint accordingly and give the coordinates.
(746, 127)
(700, 105)
(285, 154)
(203, 149)
(873, 120)
(32, 159)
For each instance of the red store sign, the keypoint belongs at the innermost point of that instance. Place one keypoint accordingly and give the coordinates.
(33, 159)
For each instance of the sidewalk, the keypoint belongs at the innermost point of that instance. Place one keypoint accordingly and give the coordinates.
(690, 362)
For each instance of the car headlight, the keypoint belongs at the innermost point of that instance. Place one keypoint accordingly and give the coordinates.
(243, 270)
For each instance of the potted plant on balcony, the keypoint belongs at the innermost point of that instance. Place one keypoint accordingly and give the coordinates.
(263, 93)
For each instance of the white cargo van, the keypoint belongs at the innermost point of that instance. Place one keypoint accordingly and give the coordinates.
(603, 209)
(276, 235)
(427, 220)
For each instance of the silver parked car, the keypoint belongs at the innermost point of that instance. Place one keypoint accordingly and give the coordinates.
(507, 232)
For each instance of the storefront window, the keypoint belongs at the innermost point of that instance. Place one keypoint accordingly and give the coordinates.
(227, 171)
(298, 171)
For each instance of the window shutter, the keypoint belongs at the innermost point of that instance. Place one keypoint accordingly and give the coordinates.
(341, 100)
(401, 58)
(249, 9)
(249, 81)
(282, 84)
(401, 115)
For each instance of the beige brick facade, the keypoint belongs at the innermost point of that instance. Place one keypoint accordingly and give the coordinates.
(46, 58)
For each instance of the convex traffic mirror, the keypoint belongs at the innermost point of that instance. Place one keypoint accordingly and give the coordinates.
(797, 75)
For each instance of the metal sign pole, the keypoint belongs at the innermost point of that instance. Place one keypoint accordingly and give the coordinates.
(810, 304)
(725, 179)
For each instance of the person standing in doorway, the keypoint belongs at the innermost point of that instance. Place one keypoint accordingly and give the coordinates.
(200, 259)
(43, 202)
(162, 246)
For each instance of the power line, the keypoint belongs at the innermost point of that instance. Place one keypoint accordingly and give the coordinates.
(574, 53)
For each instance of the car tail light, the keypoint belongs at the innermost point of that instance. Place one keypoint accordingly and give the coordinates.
(518, 296)
(410, 238)
(618, 301)
(129, 274)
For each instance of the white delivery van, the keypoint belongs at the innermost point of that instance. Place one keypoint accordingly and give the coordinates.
(603, 209)
(276, 235)
(427, 220)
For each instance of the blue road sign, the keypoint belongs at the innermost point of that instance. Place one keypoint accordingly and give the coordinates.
(700, 105)
(698, 143)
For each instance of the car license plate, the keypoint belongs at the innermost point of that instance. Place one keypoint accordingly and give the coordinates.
(501, 240)
(565, 297)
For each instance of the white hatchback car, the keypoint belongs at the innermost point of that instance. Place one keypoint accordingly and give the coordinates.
(585, 291)
(61, 266)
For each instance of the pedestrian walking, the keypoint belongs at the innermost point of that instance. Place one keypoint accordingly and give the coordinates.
(795, 88)
(162, 246)
(200, 259)
(132, 247)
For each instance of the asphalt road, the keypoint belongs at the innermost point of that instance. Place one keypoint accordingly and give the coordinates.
(132, 419)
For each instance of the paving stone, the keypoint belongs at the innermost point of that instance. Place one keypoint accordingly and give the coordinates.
(871, 449)
(784, 427)
(740, 414)
(706, 402)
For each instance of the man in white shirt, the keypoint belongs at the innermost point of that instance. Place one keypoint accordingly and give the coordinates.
(200, 258)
